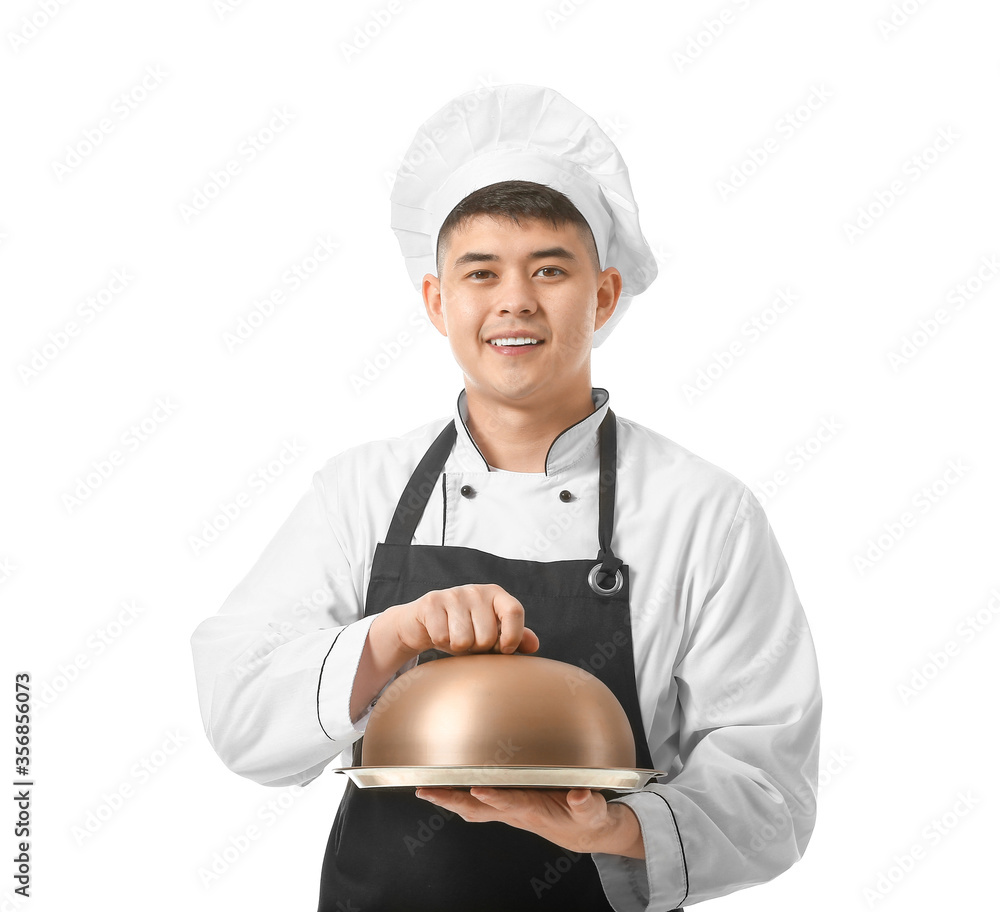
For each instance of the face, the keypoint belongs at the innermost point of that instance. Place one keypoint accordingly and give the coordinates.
(500, 279)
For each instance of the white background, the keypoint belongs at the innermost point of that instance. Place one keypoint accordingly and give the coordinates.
(893, 763)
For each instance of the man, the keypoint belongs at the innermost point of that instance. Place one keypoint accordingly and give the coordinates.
(478, 533)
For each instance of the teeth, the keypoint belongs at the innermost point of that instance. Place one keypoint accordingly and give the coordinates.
(513, 342)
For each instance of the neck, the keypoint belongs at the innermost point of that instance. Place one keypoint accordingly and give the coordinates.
(516, 438)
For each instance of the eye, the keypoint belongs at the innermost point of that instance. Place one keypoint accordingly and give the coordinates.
(550, 269)
(479, 272)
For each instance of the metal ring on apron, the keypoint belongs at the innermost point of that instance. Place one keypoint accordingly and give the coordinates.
(592, 579)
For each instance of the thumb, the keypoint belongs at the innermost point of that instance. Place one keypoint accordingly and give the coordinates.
(529, 641)
(579, 798)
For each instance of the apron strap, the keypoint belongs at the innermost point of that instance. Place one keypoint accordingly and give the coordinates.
(606, 577)
(418, 489)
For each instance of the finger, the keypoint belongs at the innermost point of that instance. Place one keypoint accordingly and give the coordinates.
(500, 799)
(461, 632)
(434, 794)
(529, 641)
(458, 801)
(436, 625)
(486, 625)
(510, 613)
(444, 797)
(524, 807)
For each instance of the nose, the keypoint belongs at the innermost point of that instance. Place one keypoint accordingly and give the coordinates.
(516, 295)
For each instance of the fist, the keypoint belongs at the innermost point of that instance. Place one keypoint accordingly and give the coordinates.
(478, 617)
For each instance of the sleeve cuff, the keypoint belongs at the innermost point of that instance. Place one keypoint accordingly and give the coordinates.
(658, 882)
(336, 681)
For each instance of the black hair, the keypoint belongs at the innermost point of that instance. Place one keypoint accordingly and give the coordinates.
(514, 200)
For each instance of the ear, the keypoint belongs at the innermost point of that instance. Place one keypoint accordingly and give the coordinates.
(431, 290)
(609, 290)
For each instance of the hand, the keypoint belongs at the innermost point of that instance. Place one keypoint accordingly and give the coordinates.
(579, 820)
(478, 617)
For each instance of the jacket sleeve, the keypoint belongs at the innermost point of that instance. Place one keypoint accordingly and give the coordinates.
(740, 804)
(275, 666)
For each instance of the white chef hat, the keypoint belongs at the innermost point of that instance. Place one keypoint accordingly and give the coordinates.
(519, 132)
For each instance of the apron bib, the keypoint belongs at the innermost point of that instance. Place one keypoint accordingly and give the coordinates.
(389, 850)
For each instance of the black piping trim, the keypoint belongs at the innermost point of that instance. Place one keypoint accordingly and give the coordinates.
(469, 434)
(320, 681)
(607, 399)
(444, 508)
(687, 885)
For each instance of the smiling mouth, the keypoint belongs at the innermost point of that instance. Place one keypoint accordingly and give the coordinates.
(509, 342)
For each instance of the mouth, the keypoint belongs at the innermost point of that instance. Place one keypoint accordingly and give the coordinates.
(514, 346)
(514, 342)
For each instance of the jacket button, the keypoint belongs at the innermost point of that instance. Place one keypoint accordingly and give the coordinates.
(565, 496)
(467, 491)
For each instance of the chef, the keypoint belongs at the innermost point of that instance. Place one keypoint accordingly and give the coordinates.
(532, 519)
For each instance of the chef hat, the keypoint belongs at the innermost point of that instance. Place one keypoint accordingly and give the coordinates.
(519, 132)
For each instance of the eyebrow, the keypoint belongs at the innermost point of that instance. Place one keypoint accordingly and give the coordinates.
(547, 253)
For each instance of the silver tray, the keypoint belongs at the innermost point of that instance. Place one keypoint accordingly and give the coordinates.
(498, 776)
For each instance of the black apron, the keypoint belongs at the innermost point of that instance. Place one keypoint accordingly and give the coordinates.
(390, 851)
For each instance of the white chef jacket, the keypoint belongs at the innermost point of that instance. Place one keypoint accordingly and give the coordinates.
(726, 672)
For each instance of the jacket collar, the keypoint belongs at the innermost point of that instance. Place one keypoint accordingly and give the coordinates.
(571, 445)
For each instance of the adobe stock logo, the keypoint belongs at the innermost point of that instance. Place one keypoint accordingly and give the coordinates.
(914, 168)
(92, 136)
(61, 337)
(106, 466)
(936, 660)
(45, 12)
(723, 360)
(898, 17)
(785, 127)
(249, 150)
(230, 509)
(927, 329)
(924, 501)
(266, 306)
(712, 29)
(931, 836)
(369, 31)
